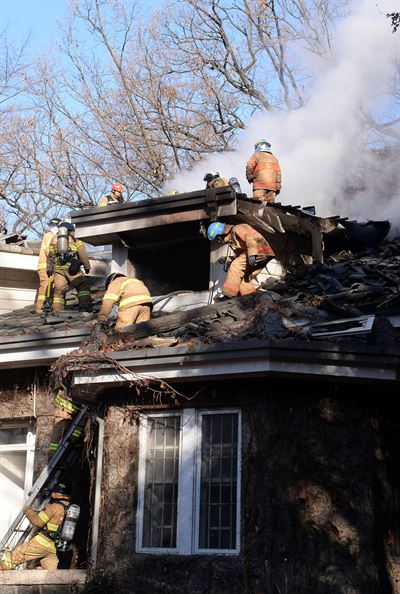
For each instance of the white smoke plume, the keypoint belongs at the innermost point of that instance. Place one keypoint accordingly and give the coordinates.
(322, 147)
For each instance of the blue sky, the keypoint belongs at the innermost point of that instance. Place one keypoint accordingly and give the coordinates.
(37, 18)
(40, 19)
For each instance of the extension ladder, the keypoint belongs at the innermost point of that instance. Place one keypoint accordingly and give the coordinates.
(49, 472)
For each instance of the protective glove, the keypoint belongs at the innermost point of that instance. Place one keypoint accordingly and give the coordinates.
(252, 260)
(50, 269)
(87, 270)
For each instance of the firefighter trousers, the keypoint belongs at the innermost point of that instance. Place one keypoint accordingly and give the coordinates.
(132, 315)
(263, 194)
(29, 551)
(238, 279)
(42, 291)
(63, 281)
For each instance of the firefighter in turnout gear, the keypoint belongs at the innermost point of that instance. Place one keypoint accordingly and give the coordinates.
(214, 180)
(42, 546)
(264, 172)
(114, 197)
(66, 256)
(251, 253)
(42, 263)
(132, 297)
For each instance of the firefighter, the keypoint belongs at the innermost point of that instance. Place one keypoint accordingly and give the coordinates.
(66, 256)
(251, 253)
(214, 180)
(264, 172)
(42, 263)
(114, 197)
(42, 546)
(132, 297)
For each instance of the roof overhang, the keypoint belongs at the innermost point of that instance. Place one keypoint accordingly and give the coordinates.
(256, 358)
(105, 225)
(39, 350)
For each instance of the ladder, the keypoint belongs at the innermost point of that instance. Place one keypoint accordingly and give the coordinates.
(50, 471)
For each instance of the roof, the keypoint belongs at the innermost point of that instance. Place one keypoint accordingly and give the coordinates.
(346, 304)
(153, 221)
(273, 331)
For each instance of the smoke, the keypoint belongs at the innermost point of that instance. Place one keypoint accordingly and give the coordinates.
(325, 152)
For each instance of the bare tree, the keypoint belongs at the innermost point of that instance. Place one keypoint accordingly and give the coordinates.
(137, 99)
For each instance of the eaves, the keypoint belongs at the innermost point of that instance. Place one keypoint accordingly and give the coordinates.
(39, 350)
(255, 358)
(102, 225)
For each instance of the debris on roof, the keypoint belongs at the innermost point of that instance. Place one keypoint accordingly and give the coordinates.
(343, 298)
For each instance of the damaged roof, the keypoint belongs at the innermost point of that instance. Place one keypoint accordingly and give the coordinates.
(348, 305)
(344, 305)
(146, 221)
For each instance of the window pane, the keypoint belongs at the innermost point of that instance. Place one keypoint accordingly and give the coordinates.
(218, 481)
(161, 482)
(12, 436)
(12, 479)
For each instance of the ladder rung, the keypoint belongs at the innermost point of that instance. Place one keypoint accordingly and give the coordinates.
(44, 475)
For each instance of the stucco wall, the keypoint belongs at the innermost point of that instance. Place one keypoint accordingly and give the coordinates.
(317, 509)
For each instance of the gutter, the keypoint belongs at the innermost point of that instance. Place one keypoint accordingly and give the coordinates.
(256, 358)
(39, 350)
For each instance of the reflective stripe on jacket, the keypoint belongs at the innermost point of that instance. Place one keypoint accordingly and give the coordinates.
(126, 292)
(44, 250)
(244, 239)
(109, 199)
(50, 518)
(77, 248)
(264, 172)
(218, 182)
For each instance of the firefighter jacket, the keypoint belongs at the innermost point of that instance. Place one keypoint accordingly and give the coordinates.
(77, 250)
(218, 182)
(126, 292)
(49, 519)
(264, 172)
(244, 239)
(109, 199)
(44, 250)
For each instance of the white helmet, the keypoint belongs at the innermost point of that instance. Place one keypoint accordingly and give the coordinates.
(262, 146)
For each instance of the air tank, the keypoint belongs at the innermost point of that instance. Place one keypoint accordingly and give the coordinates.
(70, 521)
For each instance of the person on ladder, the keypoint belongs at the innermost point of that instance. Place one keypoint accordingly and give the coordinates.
(42, 546)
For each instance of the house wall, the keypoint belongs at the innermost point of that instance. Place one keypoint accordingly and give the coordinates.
(26, 398)
(19, 280)
(320, 493)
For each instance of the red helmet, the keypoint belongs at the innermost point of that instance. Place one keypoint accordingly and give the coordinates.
(118, 187)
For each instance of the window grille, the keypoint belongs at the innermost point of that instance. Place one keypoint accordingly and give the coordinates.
(161, 488)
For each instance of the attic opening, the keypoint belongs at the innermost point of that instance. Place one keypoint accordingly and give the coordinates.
(175, 258)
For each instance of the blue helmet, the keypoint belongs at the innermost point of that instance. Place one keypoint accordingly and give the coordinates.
(215, 229)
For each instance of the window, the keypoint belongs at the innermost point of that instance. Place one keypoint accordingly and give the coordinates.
(17, 447)
(189, 482)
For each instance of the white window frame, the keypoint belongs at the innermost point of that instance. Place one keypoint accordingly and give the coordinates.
(29, 447)
(189, 476)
